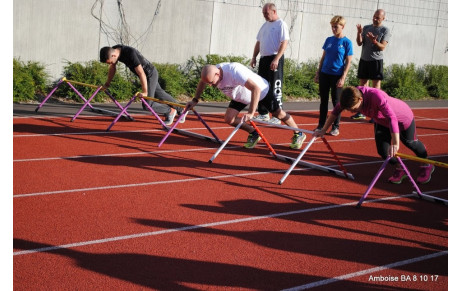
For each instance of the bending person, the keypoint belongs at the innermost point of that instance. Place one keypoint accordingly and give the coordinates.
(147, 74)
(244, 87)
(393, 123)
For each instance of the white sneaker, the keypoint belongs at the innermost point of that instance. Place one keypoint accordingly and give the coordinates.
(169, 118)
(275, 120)
(334, 132)
(263, 117)
(182, 120)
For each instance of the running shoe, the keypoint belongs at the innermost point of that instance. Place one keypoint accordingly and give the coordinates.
(424, 175)
(358, 116)
(253, 138)
(297, 140)
(263, 117)
(169, 117)
(182, 120)
(274, 120)
(398, 176)
(334, 132)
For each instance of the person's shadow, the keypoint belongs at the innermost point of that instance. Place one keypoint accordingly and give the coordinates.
(166, 273)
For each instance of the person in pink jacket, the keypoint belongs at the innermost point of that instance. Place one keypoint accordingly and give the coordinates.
(393, 123)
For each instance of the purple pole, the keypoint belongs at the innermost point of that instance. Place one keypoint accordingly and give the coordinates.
(49, 95)
(118, 104)
(153, 112)
(206, 125)
(122, 112)
(86, 103)
(174, 126)
(377, 176)
(78, 93)
(410, 177)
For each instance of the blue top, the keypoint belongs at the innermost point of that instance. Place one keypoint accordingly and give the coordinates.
(337, 49)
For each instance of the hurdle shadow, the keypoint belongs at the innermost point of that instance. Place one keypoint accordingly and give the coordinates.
(250, 207)
(163, 162)
(72, 130)
(371, 251)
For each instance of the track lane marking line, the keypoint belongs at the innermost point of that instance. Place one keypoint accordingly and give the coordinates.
(367, 271)
(205, 225)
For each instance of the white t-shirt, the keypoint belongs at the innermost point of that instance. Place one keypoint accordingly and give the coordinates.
(235, 76)
(271, 35)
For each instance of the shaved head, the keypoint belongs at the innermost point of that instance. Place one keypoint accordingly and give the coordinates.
(209, 73)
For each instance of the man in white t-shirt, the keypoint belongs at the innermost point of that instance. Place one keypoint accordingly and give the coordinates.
(244, 87)
(272, 41)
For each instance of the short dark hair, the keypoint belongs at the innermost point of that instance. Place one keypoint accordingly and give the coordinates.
(104, 54)
(350, 97)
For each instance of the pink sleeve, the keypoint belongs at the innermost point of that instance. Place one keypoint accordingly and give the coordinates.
(388, 113)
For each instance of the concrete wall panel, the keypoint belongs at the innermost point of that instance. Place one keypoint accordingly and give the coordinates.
(173, 31)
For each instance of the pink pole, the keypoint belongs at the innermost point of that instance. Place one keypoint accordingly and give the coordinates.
(377, 176)
(174, 126)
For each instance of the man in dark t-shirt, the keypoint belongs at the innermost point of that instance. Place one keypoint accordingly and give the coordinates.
(147, 74)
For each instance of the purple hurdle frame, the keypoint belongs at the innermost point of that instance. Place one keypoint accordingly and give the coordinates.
(418, 192)
(165, 127)
(87, 102)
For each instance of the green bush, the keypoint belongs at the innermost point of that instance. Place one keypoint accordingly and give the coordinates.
(401, 81)
(405, 82)
(29, 79)
(352, 76)
(436, 81)
(172, 79)
(299, 79)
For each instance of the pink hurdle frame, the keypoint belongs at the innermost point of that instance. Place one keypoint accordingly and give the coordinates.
(172, 128)
(86, 102)
(418, 192)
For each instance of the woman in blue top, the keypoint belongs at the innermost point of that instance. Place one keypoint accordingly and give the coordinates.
(333, 69)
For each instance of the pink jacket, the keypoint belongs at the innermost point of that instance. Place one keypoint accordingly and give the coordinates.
(385, 110)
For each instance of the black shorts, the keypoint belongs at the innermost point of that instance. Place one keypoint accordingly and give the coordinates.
(269, 102)
(370, 70)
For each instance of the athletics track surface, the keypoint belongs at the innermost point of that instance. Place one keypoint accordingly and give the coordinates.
(97, 210)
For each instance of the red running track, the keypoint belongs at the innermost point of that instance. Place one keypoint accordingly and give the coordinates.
(97, 210)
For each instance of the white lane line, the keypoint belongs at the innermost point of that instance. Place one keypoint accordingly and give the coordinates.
(115, 155)
(142, 184)
(106, 132)
(102, 132)
(185, 150)
(206, 225)
(367, 271)
(181, 180)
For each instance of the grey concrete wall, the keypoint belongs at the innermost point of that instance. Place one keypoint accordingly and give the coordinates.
(171, 31)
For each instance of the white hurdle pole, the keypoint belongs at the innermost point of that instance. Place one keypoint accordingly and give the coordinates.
(226, 141)
(297, 160)
(315, 166)
(282, 126)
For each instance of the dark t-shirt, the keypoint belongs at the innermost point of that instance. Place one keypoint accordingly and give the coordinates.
(132, 58)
